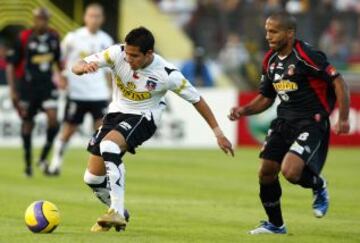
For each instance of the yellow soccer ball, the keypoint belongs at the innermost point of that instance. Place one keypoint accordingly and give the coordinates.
(42, 217)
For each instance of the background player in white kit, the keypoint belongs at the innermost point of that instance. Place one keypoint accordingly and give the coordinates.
(141, 79)
(84, 95)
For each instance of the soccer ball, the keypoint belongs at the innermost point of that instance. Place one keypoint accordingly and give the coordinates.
(42, 217)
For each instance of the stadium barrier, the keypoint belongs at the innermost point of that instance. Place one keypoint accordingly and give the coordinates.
(181, 126)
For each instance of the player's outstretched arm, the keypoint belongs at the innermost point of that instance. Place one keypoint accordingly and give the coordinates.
(343, 99)
(205, 111)
(82, 67)
(257, 105)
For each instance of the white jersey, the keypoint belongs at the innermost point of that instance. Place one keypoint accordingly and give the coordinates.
(142, 91)
(75, 46)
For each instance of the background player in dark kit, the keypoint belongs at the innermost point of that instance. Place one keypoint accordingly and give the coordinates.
(29, 74)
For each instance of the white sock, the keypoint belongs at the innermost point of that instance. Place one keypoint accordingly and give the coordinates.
(116, 177)
(99, 187)
(59, 150)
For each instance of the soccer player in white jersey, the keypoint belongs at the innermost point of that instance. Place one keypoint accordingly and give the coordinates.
(84, 95)
(141, 78)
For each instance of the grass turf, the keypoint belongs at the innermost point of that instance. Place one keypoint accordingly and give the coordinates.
(181, 196)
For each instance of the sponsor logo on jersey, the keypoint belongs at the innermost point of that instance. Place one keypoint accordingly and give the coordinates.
(285, 86)
(129, 92)
(41, 58)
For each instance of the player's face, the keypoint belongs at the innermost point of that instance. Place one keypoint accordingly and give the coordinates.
(276, 35)
(94, 18)
(136, 58)
(41, 23)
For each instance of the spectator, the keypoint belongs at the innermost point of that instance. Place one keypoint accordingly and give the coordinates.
(334, 42)
(233, 57)
(205, 27)
(354, 58)
(196, 71)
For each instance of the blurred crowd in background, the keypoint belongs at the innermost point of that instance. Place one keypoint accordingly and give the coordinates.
(231, 32)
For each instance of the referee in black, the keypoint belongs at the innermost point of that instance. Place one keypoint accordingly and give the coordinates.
(298, 139)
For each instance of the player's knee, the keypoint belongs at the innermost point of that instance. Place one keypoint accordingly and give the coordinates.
(27, 127)
(108, 146)
(267, 176)
(110, 151)
(292, 175)
(52, 131)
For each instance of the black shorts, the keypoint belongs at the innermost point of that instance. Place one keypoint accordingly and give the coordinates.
(33, 100)
(136, 129)
(75, 110)
(306, 138)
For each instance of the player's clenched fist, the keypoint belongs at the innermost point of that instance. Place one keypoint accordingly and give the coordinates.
(235, 113)
(90, 67)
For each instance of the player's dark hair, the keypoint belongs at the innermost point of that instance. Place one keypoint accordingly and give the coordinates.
(286, 20)
(142, 38)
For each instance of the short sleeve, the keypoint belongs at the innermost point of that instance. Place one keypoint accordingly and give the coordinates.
(105, 58)
(182, 87)
(66, 45)
(327, 71)
(318, 61)
(110, 41)
(266, 88)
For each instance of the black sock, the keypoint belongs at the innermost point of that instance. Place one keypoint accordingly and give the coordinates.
(270, 197)
(310, 180)
(27, 148)
(50, 136)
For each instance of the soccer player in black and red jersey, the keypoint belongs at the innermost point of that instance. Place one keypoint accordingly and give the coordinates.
(297, 141)
(29, 74)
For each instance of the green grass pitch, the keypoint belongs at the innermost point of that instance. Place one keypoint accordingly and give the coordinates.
(181, 196)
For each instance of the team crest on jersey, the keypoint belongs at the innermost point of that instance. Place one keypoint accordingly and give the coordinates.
(291, 70)
(285, 86)
(150, 84)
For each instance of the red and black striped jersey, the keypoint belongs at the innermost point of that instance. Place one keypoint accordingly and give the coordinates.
(302, 80)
